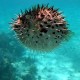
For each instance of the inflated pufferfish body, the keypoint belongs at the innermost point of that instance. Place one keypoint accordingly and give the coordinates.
(41, 28)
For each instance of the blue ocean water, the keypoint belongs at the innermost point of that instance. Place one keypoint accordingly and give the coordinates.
(20, 63)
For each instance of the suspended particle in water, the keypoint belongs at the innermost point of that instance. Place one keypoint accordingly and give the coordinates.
(41, 28)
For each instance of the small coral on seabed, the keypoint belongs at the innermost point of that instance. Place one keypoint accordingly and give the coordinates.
(41, 28)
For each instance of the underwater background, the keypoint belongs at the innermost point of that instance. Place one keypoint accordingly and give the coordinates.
(17, 62)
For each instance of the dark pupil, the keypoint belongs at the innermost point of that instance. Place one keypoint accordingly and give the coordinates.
(23, 19)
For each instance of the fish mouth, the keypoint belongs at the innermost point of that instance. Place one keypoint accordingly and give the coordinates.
(17, 23)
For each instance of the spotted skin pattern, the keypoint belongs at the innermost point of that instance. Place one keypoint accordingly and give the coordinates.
(41, 28)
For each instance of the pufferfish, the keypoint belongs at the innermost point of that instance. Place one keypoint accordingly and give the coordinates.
(41, 28)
